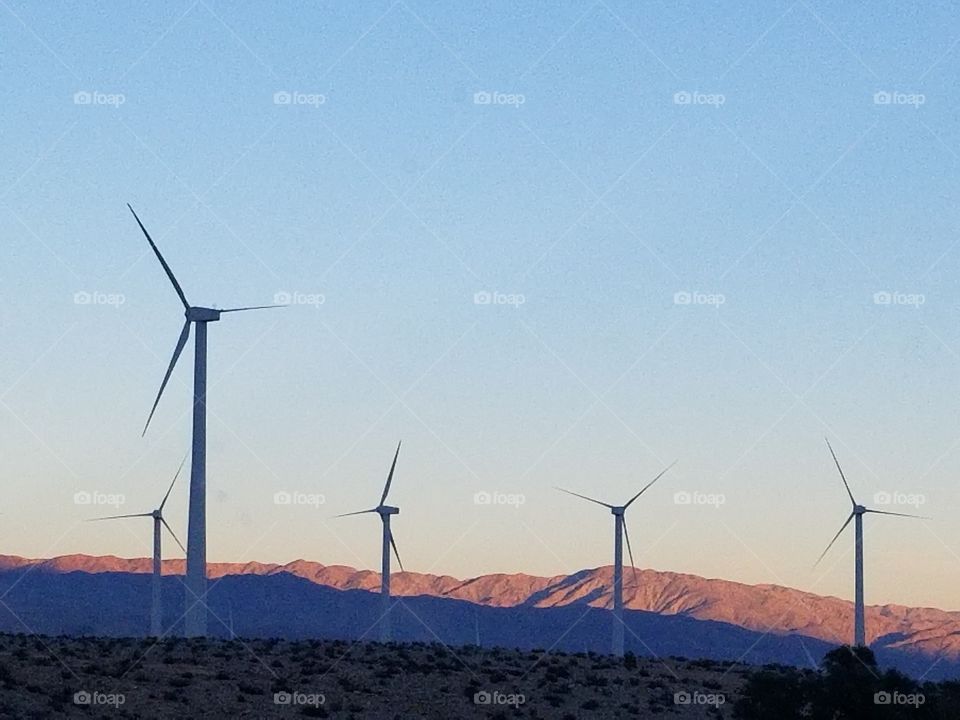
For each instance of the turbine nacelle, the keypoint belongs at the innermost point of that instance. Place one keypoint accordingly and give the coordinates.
(858, 510)
(385, 511)
(157, 514)
(202, 314)
(193, 314)
(618, 510)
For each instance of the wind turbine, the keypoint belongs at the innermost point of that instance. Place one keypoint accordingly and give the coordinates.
(619, 532)
(195, 617)
(385, 511)
(859, 636)
(156, 609)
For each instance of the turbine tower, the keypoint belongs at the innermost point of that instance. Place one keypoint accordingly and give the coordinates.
(195, 617)
(859, 633)
(619, 533)
(385, 511)
(156, 608)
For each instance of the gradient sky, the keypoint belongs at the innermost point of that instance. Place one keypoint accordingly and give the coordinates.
(397, 198)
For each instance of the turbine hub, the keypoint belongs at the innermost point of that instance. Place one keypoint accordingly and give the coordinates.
(156, 515)
(619, 510)
(859, 509)
(202, 314)
(388, 510)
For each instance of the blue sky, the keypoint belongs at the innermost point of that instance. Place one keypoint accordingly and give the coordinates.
(778, 165)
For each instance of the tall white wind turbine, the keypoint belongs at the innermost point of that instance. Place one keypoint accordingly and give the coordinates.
(156, 607)
(859, 633)
(385, 511)
(620, 532)
(195, 617)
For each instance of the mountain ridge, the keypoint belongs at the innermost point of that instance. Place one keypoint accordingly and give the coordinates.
(766, 607)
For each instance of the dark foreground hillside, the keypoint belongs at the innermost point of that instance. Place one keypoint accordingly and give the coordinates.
(43, 677)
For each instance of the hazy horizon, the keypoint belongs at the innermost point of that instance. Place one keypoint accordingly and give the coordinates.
(543, 247)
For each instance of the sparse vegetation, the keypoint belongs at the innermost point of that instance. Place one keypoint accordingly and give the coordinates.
(173, 678)
(44, 678)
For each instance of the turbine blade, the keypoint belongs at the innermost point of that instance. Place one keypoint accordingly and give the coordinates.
(117, 517)
(386, 488)
(184, 335)
(886, 512)
(842, 477)
(842, 528)
(172, 534)
(584, 497)
(171, 484)
(166, 268)
(662, 472)
(626, 534)
(256, 307)
(395, 551)
(358, 512)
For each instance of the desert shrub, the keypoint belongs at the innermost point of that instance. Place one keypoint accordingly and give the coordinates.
(845, 688)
